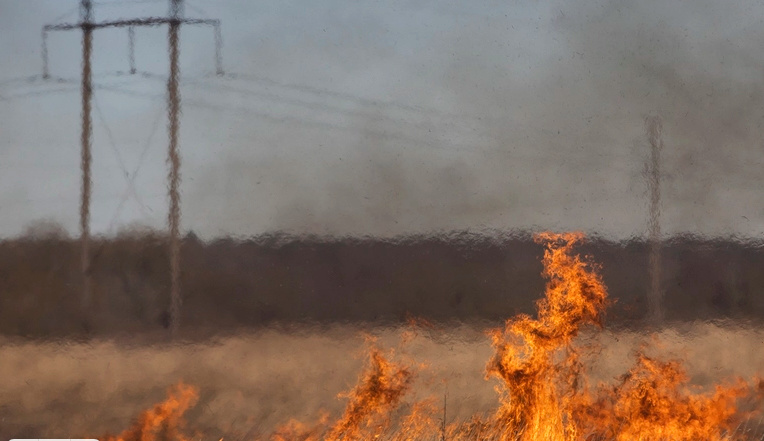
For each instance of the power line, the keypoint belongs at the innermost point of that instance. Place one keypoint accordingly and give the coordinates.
(35, 93)
(335, 94)
(64, 199)
(127, 2)
(394, 133)
(197, 9)
(319, 93)
(456, 120)
(385, 134)
(355, 113)
(369, 102)
(66, 14)
(287, 119)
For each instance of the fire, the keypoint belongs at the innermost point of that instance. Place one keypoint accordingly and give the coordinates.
(653, 402)
(296, 430)
(535, 360)
(164, 421)
(544, 393)
(366, 416)
(381, 388)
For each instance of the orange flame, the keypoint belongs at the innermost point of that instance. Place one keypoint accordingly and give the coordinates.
(534, 358)
(164, 421)
(378, 392)
(296, 431)
(653, 402)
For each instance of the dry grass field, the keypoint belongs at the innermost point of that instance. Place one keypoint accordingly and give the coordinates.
(250, 383)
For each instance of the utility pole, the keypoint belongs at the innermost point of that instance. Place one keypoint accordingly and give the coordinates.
(86, 21)
(654, 127)
(174, 20)
(173, 110)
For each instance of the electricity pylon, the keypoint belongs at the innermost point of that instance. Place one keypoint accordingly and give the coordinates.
(174, 20)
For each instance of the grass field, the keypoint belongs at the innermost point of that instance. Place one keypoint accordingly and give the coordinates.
(251, 383)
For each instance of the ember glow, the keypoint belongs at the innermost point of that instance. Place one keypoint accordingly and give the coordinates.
(544, 391)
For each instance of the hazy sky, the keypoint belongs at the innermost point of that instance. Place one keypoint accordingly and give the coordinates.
(389, 117)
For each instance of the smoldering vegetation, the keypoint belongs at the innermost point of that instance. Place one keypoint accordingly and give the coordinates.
(231, 285)
(251, 383)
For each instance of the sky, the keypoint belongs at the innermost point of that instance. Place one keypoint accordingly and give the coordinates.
(386, 118)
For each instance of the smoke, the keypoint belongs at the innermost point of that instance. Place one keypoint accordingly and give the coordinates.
(701, 73)
(552, 99)
(388, 118)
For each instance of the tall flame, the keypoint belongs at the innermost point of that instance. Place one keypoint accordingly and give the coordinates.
(535, 361)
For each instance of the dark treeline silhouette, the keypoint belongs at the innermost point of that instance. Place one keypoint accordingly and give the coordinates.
(228, 284)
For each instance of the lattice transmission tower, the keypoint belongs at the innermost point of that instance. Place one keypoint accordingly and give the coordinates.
(87, 25)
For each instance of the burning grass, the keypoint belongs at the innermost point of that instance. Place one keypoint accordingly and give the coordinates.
(555, 376)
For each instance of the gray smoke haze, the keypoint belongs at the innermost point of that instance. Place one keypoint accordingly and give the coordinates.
(399, 117)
